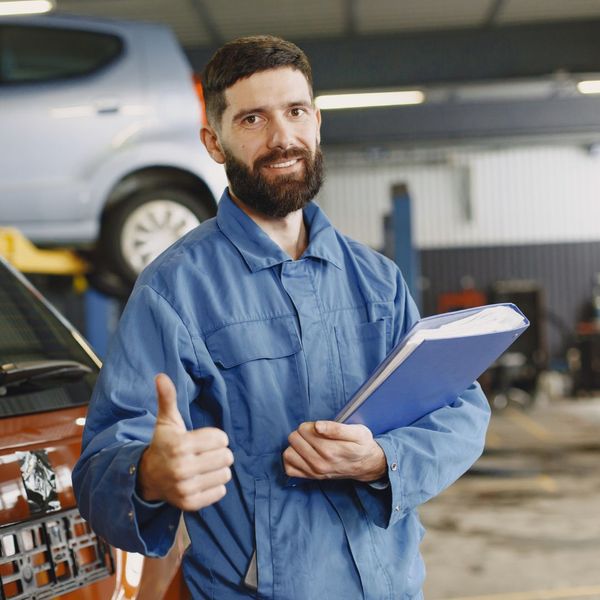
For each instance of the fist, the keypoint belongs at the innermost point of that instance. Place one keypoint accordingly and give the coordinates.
(330, 450)
(188, 469)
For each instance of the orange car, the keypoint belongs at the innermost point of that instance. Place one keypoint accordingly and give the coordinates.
(47, 372)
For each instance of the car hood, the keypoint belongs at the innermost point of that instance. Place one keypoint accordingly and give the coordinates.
(37, 455)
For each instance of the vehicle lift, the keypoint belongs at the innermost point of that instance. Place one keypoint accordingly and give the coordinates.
(29, 259)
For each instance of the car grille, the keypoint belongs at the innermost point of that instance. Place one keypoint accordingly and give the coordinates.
(51, 556)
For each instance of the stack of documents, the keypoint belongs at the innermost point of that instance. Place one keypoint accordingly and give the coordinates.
(432, 365)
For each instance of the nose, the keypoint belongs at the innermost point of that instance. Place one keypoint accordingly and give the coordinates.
(280, 133)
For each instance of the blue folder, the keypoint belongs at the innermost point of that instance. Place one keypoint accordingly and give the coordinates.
(432, 376)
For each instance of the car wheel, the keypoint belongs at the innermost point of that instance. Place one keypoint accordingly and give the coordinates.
(138, 229)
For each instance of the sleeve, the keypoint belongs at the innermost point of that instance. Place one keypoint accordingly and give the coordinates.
(151, 338)
(429, 455)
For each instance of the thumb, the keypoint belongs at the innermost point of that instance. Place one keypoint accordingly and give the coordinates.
(166, 395)
(339, 431)
(328, 429)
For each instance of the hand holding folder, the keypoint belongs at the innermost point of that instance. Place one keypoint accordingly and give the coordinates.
(432, 365)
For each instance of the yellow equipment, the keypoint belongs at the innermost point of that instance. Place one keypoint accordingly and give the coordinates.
(28, 258)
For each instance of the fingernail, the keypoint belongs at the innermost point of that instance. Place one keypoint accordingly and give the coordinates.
(321, 427)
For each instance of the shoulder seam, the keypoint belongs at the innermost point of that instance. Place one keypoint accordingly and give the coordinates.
(187, 329)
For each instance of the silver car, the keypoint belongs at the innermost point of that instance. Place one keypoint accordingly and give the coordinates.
(99, 138)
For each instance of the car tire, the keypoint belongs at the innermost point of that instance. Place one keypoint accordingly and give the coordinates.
(140, 227)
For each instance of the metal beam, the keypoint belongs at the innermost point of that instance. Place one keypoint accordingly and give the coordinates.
(484, 121)
(208, 21)
(350, 17)
(447, 56)
(495, 9)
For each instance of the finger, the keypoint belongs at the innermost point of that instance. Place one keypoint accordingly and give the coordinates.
(204, 439)
(212, 460)
(203, 482)
(202, 499)
(291, 471)
(296, 466)
(186, 465)
(315, 432)
(166, 396)
(341, 431)
(329, 449)
(308, 448)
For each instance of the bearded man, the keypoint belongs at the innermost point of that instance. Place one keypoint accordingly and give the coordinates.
(262, 322)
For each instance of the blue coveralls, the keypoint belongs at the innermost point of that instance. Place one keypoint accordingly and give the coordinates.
(257, 343)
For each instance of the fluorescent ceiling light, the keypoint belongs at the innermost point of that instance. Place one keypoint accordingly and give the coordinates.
(506, 90)
(25, 7)
(368, 100)
(589, 86)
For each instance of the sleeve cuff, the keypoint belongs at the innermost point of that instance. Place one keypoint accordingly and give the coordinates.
(383, 500)
(144, 510)
(380, 484)
(155, 523)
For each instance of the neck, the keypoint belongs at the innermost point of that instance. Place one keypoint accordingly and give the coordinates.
(288, 232)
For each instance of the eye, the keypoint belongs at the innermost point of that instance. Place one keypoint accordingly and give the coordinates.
(251, 120)
(297, 111)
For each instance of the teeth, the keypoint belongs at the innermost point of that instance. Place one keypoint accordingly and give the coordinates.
(289, 163)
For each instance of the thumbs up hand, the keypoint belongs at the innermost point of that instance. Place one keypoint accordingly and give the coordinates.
(188, 469)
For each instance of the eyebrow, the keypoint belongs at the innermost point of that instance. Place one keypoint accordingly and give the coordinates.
(263, 109)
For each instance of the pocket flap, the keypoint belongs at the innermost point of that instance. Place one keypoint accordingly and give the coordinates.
(251, 340)
(362, 331)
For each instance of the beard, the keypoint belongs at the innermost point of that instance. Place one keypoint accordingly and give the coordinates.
(283, 194)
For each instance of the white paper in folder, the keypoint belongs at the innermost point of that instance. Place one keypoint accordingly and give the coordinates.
(492, 319)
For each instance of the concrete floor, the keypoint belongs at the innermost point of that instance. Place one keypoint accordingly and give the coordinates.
(524, 523)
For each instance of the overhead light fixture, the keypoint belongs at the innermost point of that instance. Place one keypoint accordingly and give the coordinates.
(589, 86)
(25, 7)
(369, 100)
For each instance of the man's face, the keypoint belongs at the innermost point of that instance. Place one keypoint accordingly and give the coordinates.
(269, 139)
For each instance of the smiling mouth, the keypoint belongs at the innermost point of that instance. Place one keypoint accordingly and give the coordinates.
(284, 165)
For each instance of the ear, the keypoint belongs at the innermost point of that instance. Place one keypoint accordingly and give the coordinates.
(318, 116)
(211, 141)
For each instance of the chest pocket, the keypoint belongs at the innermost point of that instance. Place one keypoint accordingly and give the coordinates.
(258, 361)
(361, 348)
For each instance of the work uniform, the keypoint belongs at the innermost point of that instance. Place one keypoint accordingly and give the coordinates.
(257, 343)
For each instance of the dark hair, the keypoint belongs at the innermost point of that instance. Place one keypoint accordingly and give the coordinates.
(242, 58)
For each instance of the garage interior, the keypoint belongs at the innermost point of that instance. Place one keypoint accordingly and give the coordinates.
(499, 165)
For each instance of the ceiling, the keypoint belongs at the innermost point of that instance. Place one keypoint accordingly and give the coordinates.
(209, 23)
(527, 55)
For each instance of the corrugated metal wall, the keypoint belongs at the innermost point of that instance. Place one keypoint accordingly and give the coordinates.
(486, 214)
(469, 197)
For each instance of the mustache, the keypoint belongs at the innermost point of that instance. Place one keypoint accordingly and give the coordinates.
(277, 155)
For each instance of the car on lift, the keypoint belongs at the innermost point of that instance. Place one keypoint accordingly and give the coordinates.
(100, 140)
(47, 550)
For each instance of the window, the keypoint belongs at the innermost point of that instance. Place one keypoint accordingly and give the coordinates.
(29, 331)
(37, 54)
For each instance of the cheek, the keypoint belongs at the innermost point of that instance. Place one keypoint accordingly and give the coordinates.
(250, 151)
(310, 137)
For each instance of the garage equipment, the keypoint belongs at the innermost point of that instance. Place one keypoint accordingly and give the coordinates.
(27, 258)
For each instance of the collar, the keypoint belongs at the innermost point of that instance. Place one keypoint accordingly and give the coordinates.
(260, 251)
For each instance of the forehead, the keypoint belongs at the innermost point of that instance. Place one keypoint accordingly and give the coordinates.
(273, 88)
